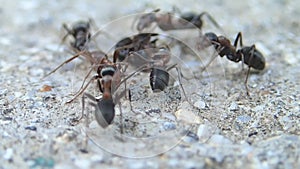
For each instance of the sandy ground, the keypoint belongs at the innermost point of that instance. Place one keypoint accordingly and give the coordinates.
(225, 128)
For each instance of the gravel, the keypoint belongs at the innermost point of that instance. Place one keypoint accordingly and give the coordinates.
(216, 126)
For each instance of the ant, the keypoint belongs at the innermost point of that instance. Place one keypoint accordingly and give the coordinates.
(153, 60)
(247, 54)
(108, 76)
(167, 21)
(142, 52)
(81, 34)
(107, 73)
(80, 31)
(135, 43)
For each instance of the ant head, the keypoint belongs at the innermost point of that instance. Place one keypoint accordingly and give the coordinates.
(211, 36)
(121, 54)
(207, 40)
(105, 112)
(81, 26)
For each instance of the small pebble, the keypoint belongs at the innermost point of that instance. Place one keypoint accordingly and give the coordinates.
(187, 116)
(3, 91)
(97, 158)
(233, 106)
(219, 140)
(8, 154)
(290, 58)
(200, 104)
(190, 137)
(169, 126)
(18, 94)
(205, 131)
(36, 72)
(243, 119)
(43, 163)
(32, 128)
(45, 88)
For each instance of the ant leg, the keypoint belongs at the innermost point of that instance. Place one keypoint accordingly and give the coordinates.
(129, 97)
(246, 82)
(130, 104)
(209, 62)
(85, 142)
(88, 74)
(250, 59)
(81, 91)
(93, 99)
(129, 76)
(180, 80)
(87, 116)
(239, 39)
(212, 20)
(65, 36)
(243, 61)
(150, 17)
(121, 119)
(65, 62)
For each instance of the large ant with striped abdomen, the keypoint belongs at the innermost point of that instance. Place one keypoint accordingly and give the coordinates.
(107, 74)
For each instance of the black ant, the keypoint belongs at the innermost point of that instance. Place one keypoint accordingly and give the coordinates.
(135, 43)
(142, 52)
(167, 21)
(81, 34)
(153, 60)
(80, 31)
(247, 54)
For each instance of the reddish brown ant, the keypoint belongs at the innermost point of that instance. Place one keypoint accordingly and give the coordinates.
(107, 73)
(167, 21)
(247, 54)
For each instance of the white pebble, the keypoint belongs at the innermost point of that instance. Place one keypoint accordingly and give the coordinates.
(233, 106)
(8, 154)
(200, 104)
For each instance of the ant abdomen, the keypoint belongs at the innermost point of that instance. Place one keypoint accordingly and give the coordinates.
(159, 79)
(105, 112)
(193, 18)
(257, 61)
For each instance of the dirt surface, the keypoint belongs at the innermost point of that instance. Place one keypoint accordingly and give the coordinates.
(216, 125)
